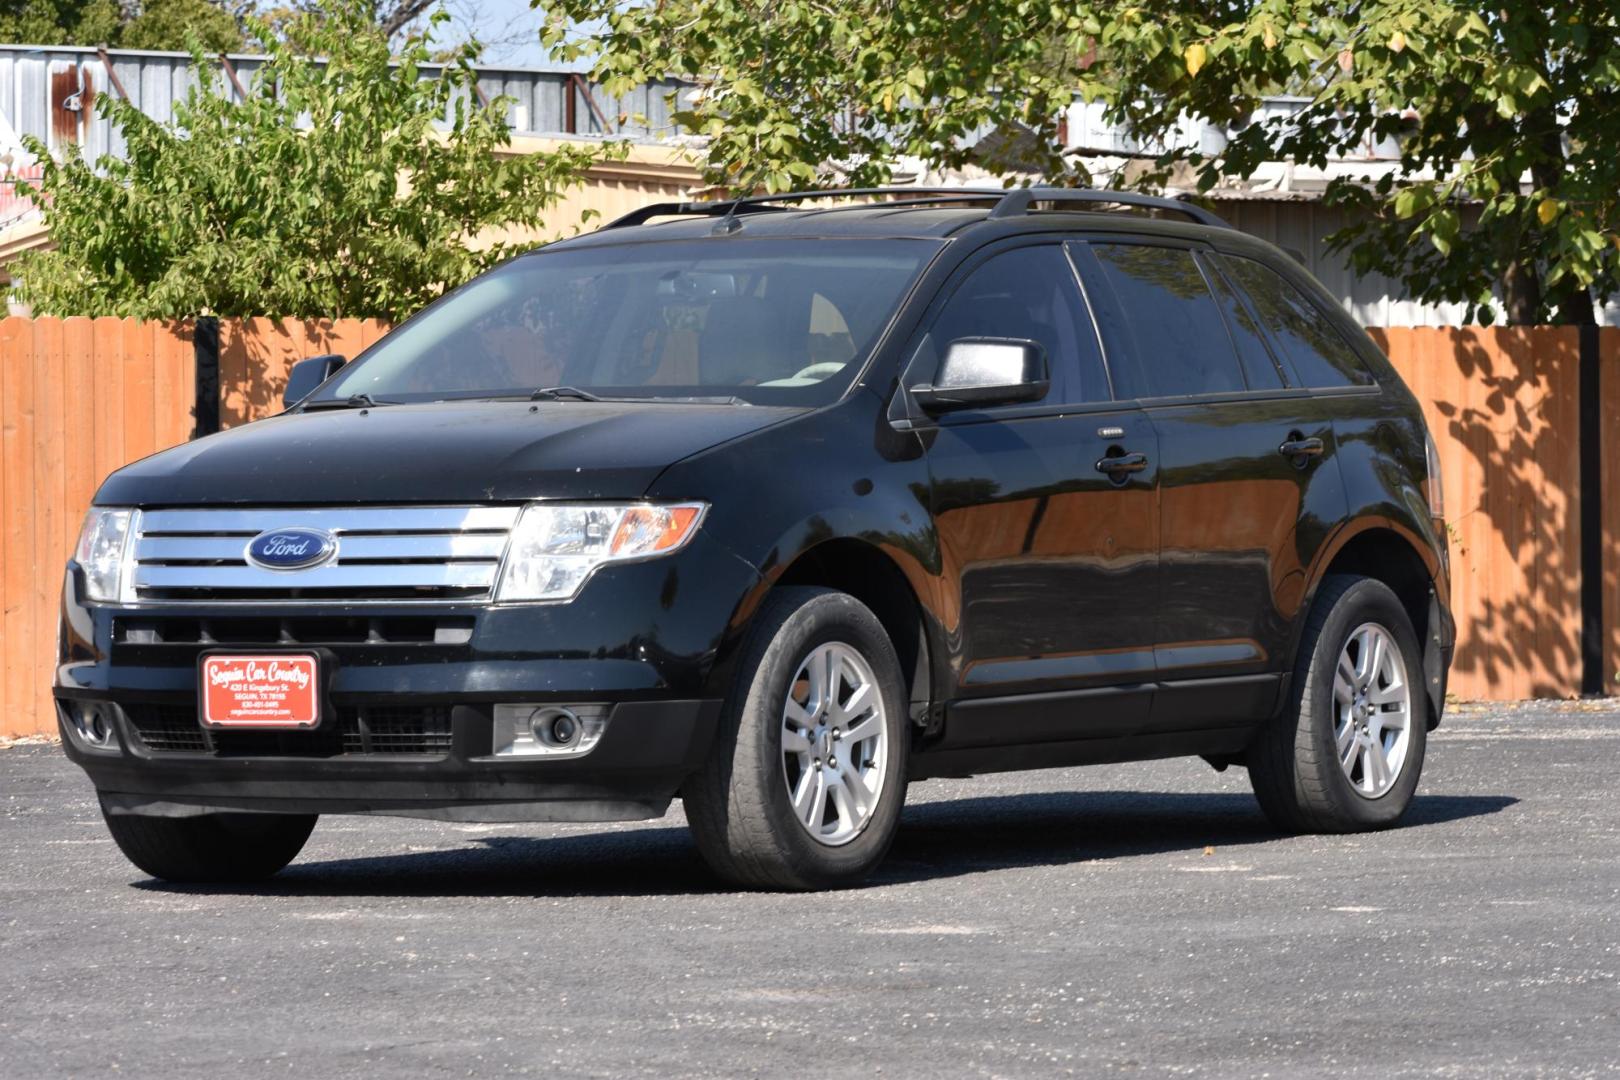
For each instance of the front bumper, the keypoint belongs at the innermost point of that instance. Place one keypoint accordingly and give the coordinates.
(647, 749)
(647, 642)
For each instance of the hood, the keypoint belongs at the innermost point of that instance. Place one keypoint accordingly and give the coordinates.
(476, 451)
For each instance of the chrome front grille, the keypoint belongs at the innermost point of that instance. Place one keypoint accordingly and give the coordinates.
(436, 553)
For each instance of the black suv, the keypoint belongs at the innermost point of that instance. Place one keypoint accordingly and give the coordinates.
(778, 509)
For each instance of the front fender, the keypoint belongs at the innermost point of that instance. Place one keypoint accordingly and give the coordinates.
(836, 474)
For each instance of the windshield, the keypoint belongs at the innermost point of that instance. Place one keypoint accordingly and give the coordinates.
(783, 322)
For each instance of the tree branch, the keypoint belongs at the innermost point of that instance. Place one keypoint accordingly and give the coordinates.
(391, 22)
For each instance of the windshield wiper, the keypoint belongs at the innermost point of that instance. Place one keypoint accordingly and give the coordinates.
(353, 401)
(556, 393)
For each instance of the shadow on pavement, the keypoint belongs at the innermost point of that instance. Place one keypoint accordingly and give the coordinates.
(937, 840)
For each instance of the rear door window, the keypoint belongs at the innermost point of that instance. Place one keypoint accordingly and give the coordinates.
(1165, 318)
(1029, 292)
(1302, 332)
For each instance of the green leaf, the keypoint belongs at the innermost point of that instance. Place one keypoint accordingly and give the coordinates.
(1470, 98)
(333, 190)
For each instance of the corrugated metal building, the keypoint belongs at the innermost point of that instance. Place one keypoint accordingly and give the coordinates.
(49, 91)
(1302, 225)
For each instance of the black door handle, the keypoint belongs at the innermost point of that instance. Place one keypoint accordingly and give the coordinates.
(1120, 464)
(1297, 447)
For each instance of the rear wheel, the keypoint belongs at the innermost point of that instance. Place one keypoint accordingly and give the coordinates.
(210, 848)
(804, 787)
(1347, 755)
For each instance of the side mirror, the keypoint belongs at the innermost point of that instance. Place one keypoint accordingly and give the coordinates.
(306, 375)
(986, 371)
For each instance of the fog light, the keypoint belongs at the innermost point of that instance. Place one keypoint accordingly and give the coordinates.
(93, 724)
(548, 730)
(555, 727)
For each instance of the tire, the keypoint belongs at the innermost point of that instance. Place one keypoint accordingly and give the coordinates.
(221, 848)
(1296, 765)
(740, 805)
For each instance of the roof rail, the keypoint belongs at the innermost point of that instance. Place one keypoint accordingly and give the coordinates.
(644, 214)
(1019, 200)
(749, 204)
(963, 194)
(1009, 202)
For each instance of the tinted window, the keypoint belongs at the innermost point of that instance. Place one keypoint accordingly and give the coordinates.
(1259, 366)
(1029, 292)
(1304, 334)
(1172, 323)
(769, 321)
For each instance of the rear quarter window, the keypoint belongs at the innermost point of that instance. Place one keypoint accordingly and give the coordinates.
(1302, 332)
(1259, 365)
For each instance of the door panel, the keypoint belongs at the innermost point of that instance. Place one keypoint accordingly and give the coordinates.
(1057, 562)
(1049, 563)
(1239, 523)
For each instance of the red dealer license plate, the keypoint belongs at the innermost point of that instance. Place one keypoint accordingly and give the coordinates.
(260, 690)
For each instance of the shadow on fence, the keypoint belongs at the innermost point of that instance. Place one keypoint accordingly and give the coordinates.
(1502, 405)
(255, 355)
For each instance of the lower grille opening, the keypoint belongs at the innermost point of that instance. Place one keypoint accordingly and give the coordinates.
(369, 729)
(238, 630)
(168, 728)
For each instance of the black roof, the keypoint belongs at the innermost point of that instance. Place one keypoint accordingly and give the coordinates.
(907, 212)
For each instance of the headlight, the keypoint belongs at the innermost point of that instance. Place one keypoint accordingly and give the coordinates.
(103, 542)
(555, 547)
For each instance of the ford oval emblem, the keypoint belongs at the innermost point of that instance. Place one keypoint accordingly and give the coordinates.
(291, 549)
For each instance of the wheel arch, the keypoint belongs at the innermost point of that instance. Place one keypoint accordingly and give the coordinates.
(872, 576)
(1386, 550)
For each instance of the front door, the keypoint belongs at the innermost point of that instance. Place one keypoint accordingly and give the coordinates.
(1047, 523)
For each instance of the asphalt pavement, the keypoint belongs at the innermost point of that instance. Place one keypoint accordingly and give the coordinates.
(1138, 919)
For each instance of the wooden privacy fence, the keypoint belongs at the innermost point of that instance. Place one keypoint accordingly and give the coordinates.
(81, 397)
(1503, 406)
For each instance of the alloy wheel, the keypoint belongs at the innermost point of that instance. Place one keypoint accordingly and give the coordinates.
(1372, 710)
(835, 743)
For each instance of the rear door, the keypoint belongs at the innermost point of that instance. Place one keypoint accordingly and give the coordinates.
(1046, 517)
(1248, 484)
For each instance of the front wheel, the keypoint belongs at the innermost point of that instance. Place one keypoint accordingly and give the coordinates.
(1347, 755)
(804, 786)
(219, 848)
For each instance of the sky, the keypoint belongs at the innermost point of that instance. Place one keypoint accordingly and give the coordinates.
(510, 30)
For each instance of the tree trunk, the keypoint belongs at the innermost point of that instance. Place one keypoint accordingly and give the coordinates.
(1572, 303)
(1521, 293)
(1575, 307)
